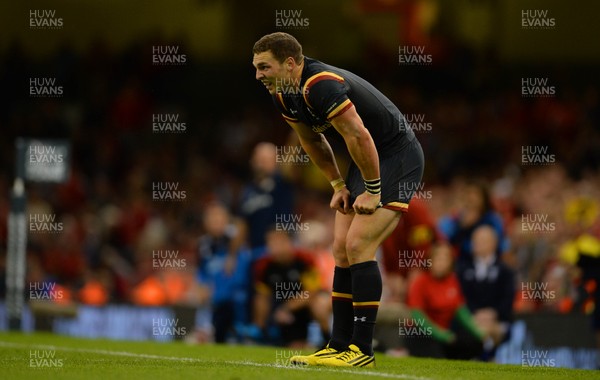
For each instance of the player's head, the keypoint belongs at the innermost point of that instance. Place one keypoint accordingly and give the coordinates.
(276, 56)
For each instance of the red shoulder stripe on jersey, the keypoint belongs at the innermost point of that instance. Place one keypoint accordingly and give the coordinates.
(316, 78)
(337, 111)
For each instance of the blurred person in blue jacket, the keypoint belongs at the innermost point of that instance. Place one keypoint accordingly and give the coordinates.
(476, 210)
(267, 195)
(224, 267)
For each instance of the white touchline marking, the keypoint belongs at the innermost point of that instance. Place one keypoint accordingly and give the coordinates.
(197, 360)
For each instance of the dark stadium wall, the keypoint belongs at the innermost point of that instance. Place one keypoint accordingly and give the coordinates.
(222, 30)
(574, 43)
(204, 25)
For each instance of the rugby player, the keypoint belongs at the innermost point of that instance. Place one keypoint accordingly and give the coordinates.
(318, 101)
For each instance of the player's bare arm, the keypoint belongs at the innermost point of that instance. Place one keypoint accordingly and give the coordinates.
(318, 149)
(363, 152)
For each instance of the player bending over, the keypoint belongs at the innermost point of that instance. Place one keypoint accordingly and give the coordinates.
(319, 100)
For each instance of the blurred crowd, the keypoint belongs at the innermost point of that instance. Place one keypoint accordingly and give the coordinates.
(251, 239)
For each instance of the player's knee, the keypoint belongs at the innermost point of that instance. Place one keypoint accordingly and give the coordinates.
(339, 253)
(358, 250)
(355, 247)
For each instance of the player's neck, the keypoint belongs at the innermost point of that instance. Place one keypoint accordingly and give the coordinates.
(297, 71)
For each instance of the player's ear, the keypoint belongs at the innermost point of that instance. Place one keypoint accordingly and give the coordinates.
(289, 63)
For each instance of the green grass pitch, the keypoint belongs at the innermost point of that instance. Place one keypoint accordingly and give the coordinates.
(47, 356)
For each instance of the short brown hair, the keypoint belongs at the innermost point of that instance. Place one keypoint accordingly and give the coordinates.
(281, 45)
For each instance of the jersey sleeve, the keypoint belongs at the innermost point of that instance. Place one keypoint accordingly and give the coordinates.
(327, 94)
(280, 105)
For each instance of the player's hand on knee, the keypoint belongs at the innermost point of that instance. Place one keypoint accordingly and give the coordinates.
(340, 201)
(366, 203)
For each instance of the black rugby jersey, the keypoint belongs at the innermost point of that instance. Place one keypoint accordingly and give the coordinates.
(325, 91)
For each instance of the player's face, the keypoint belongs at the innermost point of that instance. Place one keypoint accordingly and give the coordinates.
(268, 70)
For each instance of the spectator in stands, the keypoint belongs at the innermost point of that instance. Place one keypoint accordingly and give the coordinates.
(407, 247)
(583, 252)
(489, 287)
(286, 283)
(475, 210)
(223, 267)
(265, 197)
(442, 324)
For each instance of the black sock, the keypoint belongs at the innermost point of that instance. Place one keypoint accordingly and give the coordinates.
(343, 312)
(366, 293)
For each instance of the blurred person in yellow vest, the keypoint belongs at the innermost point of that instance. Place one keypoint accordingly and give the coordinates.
(582, 253)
